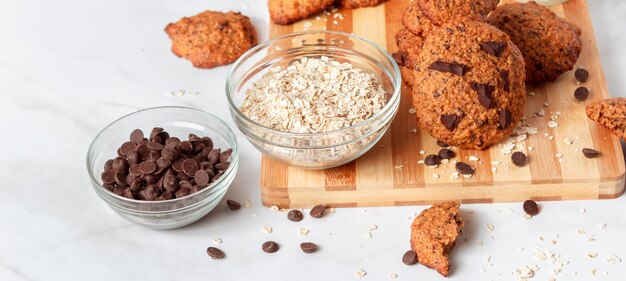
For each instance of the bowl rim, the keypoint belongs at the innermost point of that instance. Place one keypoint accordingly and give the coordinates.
(227, 172)
(389, 106)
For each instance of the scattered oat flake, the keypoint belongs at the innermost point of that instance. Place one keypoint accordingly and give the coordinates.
(217, 240)
(601, 226)
(496, 162)
(371, 227)
(531, 148)
(247, 204)
(592, 272)
(393, 276)
(581, 231)
(490, 227)
(266, 229)
(414, 131)
(568, 141)
(436, 176)
(255, 214)
(399, 166)
(613, 260)
(422, 152)
(275, 209)
(592, 255)
(553, 124)
(532, 94)
(331, 210)
(412, 110)
(494, 170)
(366, 234)
(303, 232)
(360, 273)
(473, 158)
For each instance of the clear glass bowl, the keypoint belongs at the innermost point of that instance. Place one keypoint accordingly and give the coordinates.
(178, 122)
(320, 150)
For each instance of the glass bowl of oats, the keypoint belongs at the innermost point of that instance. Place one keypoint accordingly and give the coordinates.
(315, 99)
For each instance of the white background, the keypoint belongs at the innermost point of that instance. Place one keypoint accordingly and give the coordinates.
(69, 67)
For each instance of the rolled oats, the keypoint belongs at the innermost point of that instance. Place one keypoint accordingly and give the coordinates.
(314, 96)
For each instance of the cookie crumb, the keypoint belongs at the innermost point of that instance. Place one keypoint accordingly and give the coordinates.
(303, 232)
(266, 229)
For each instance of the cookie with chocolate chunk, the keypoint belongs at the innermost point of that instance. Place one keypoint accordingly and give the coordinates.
(550, 45)
(610, 113)
(434, 233)
(472, 90)
(212, 39)
(353, 4)
(290, 11)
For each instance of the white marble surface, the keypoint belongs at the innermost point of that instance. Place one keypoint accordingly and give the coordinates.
(69, 67)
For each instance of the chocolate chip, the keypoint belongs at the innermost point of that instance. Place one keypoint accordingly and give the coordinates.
(120, 179)
(432, 160)
(154, 146)
(270, 247)
(215, 253)
(464, 169)
(504, 75)
(409, 258)
(155, 132)
(308, 247)
(485, 96)
(143, 151)
(222, 166)
(186, 146)
(442, 144)
(133, 157)
(446, 154)
(134, 170)
(493, 48)
(108, 177)
(136, 136)
(172, 141)
(317, 211)
(127, 147)
(208, 142)
(591, 153)
(190, 167)
(453, 67)
(531, 208)
(450, 121)
(505, 119)
(170, 182)
(519, 159)
(225, 156)
(581, 93)
(147, 167)
(582, 75)
(295, 215)
(128, 193)
(202, 178)
(214, 156)
(120, 165)
(233, 205)
(182, 192)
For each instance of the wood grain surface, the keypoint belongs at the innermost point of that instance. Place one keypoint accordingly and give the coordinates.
(390, 174)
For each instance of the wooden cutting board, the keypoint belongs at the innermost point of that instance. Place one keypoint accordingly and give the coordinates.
(390, 174)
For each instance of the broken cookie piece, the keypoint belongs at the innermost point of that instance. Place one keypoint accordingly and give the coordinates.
(610, 114)
(212, 39)
(434, 233)
(289, 11)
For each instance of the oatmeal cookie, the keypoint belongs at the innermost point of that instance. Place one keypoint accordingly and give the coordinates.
(212, 39)
(290, 11)
(442, 11)
(472, 90)
(550, 45)
(353, 4)
(610, 113)
(409, 46)
(415, 21)
(433, 234)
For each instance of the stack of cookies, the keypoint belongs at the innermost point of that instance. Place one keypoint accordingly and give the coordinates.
(467, 76)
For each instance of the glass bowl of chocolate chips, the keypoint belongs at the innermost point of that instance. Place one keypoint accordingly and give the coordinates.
(163, 167)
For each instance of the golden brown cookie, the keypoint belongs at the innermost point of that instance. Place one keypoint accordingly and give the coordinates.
(290, 11)
(550, 45)
(433, 234)
(471, 90)
(409, 47)
(353, 4)
(442, 11)
(610, 113)
(212, 39)
(415, 21)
